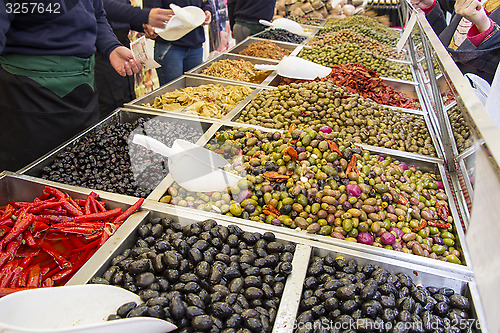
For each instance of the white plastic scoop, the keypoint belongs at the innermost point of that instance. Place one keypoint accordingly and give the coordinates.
(73, 309)
(284, 23)
(297, 68)
(193, 167)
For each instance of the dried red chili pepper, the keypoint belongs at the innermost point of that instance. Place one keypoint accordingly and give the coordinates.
(422, 225)
(442, 211)
(439, 224)
(99, 216)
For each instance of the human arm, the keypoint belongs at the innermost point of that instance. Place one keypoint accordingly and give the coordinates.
(119, 56)
(474, 12)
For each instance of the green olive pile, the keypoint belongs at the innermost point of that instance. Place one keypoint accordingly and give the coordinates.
(302, 179)
(351, 53)
(341, 293)
(385, 39)
(306, 20)
(349, 115)
(366, 21)
(461, 131)
(354, 37)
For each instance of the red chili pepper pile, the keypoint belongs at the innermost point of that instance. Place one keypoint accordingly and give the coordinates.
(44, 242)
(364, 81)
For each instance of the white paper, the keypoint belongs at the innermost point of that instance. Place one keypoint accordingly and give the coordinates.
(142, 49)
(406, 32)
(483, 237)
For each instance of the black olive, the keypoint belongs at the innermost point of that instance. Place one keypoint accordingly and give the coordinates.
(125, 309)
(145, 279)
(371, 308)
(192, 287)
(404, 316)
(388, 314)
(446, 291)
(442, 308)
(441, 298)
(189, 277)
(221, 310)
(117, 278)
(177, 308)
(113, 317)
(138, 311)
(278, 288)
(148, 294)
(193, 311)
(99, 280)
(162, 301)
(202, 322)
(156, 311)
(348, 306)
(346, 292)
(369, 290)
(108, 274)
(459, 302)
(253, 281)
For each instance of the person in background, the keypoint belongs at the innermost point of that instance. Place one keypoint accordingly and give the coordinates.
(113, 89)
(473, 35)
(244, 16)
(47, 74)
(179, 56)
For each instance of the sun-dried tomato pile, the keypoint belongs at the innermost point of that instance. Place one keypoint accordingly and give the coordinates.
(361, 80)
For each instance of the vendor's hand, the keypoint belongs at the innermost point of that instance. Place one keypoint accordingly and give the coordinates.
(474, 12)
(422, 4)
(149, 32)
(208, 17)
(124, 62)
(158, 17)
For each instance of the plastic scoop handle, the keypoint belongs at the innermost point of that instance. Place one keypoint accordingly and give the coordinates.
(154, 145)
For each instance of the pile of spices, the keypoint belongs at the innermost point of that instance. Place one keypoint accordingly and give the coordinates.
(265, 49)
(44, 242)
(361, 80)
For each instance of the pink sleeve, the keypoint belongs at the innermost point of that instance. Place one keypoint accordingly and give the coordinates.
(428, 9)
(477, 37)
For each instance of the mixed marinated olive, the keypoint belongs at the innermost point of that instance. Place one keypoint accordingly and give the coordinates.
(313, 181)
(203, 276)
(342, 296)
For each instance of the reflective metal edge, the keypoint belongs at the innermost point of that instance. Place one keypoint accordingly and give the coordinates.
(36, 166)
(251, 40)
(468, 151)
(125, 238)
(420, 275)
(464, 208)
(454, 213)
(289, 305)
(180, 83)
(224, 56)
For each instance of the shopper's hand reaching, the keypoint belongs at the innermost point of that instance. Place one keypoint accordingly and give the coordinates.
(124, 62)
(158, 17)
(208, 17)
(149, 32)
(474, 12)
(422, 4)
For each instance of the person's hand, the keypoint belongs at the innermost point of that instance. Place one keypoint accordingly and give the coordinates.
(208, 17)
(474, 12)
(158, 17)
(149, 32)
(422, 4)
(124, 62)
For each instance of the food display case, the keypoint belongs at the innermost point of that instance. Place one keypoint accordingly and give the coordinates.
(318, 173)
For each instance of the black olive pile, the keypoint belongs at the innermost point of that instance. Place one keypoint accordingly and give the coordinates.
(107, 160)
(281, 35)
(341, 296)
(203, 277)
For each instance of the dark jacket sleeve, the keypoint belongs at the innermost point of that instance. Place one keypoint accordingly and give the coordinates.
(207, 6)
(153, 4)
(120, 11)
(4, 24)
(437, 19)
(485, 57)
(231, 4)
(106, 40)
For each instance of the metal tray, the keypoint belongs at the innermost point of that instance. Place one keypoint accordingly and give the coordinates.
(26, 188)
(228, 56)
(421, 275)
(424, 163)
(119, 116)
(251, 40)
(183, 82)
(99, 264)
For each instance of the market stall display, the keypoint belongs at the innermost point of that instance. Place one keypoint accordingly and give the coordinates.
(359, 79)
(352, 53)
(307, 20)
(209, 100)
(202, 275)
(265, 49)
(365, 21)
(365, 31)
(461, 131)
